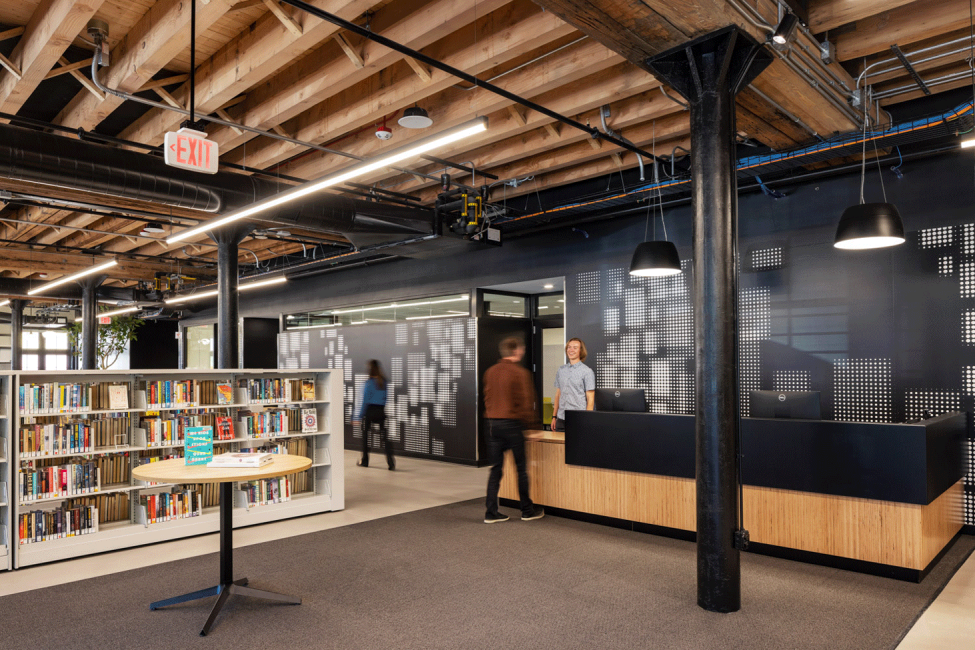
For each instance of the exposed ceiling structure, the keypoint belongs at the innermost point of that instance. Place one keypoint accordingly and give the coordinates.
(269, 66)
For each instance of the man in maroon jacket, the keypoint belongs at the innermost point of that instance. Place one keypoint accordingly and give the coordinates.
(509, 406)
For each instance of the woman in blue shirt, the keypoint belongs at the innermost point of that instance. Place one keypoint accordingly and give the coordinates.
(373, 411)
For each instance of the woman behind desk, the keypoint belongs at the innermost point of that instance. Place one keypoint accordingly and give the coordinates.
(575, 385)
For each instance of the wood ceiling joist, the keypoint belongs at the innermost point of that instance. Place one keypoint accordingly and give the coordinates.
(256, 55)
(513, 142)
(546, 162)
(599, 167)
(61, 263)
(52, 28)
(309, 82)
(830, 14)
(640, 30)
(152, 43)
(904, 25)
(606, 86)
(449, 107)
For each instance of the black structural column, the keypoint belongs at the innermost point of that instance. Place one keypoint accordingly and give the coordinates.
(708, 72)
(89, 321)
(228, 312)
(16, 333)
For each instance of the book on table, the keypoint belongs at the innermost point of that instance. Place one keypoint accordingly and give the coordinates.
(241, 459)
(199, 445)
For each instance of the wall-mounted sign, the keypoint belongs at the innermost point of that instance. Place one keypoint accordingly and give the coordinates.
(104, 320)
(190, 149)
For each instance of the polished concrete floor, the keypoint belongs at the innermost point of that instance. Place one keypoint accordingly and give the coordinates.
(375, 492)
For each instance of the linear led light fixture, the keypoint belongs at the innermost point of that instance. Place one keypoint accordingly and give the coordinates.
(69, 278)
(433, 316)
(210, 294)
(310, 327)
(392, 157)
(117, 312)
(4, 303)
(968, 144)
(398, 305)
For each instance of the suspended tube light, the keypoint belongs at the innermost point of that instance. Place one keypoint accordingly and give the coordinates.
(411, 150)
(209, 294)
(70, 278)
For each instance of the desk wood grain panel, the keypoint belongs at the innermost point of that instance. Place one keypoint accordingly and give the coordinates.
(942, 520)
(895, 534)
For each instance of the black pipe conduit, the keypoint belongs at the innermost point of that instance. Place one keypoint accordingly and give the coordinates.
(47, 159)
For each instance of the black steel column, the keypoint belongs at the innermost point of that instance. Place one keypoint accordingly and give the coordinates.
(228, 313)
(16, 333)
(708, 72)
(89, 321)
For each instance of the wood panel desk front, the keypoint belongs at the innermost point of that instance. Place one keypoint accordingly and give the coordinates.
(900, 540)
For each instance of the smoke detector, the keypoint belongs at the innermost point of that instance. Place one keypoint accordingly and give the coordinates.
(384, 132)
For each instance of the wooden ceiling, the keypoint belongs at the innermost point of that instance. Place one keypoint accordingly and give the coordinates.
(265, 64)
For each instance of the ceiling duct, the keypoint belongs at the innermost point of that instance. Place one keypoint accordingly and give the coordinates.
(32, 156)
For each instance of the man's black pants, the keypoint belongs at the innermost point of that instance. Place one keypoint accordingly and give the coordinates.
(504, 435)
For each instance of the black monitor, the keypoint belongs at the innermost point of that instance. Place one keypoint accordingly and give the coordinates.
(621, 399)
(794, 404)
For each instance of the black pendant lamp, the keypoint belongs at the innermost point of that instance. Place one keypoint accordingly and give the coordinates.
(869, 225)
(655, 258)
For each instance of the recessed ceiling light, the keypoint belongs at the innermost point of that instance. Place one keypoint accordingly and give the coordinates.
(549, 286)
(415, 118)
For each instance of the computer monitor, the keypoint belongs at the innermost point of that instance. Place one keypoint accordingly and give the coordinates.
(621, 399)
(794, 404)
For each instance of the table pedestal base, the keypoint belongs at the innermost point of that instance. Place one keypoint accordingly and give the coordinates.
(223, 593)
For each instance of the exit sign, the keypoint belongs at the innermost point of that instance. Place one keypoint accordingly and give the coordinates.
(190, 149)
(104, 320)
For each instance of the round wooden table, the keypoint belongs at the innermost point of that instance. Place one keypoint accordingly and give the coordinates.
(176, 471)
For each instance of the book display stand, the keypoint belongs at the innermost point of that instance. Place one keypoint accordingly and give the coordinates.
(70, 482)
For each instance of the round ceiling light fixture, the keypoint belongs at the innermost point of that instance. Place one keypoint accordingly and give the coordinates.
(415, 118)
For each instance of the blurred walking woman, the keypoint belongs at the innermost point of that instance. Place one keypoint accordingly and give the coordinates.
(373, 411)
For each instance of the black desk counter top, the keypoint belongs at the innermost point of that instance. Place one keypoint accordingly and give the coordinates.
(904, 463)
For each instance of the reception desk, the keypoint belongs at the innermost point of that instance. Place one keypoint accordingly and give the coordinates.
(879, 498)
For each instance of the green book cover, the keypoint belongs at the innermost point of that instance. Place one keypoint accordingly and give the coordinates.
(199, 445)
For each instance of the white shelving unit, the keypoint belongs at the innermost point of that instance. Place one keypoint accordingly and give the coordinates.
(326, 480)
(6, 474)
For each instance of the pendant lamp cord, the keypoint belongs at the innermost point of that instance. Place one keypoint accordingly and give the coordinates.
(192, 62)
(866, 118)
(646, 227)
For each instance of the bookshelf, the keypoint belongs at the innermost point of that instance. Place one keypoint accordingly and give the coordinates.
(98, 439)
(6, 463)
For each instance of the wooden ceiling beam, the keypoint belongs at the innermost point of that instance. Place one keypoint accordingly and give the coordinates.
(343, 42)
(56, 264)
(152, 43)
(289, 21)
(48, 34)
(582, 172)
(830, 14)
(904, 25)
(614, 85)
(251, 57)
(511, 141)
(307, 83)
(547, 160)
(65, 69)
(448, 107)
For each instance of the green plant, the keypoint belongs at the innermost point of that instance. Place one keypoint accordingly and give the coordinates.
(112, 338)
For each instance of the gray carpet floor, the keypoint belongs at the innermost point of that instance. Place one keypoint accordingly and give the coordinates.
(439, 578)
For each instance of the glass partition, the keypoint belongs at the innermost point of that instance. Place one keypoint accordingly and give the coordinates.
(388, 312)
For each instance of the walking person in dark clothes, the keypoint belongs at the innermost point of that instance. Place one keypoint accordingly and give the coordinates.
(509, 406)
(373, 411)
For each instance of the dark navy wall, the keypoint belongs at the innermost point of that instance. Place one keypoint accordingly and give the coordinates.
(884, 334)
